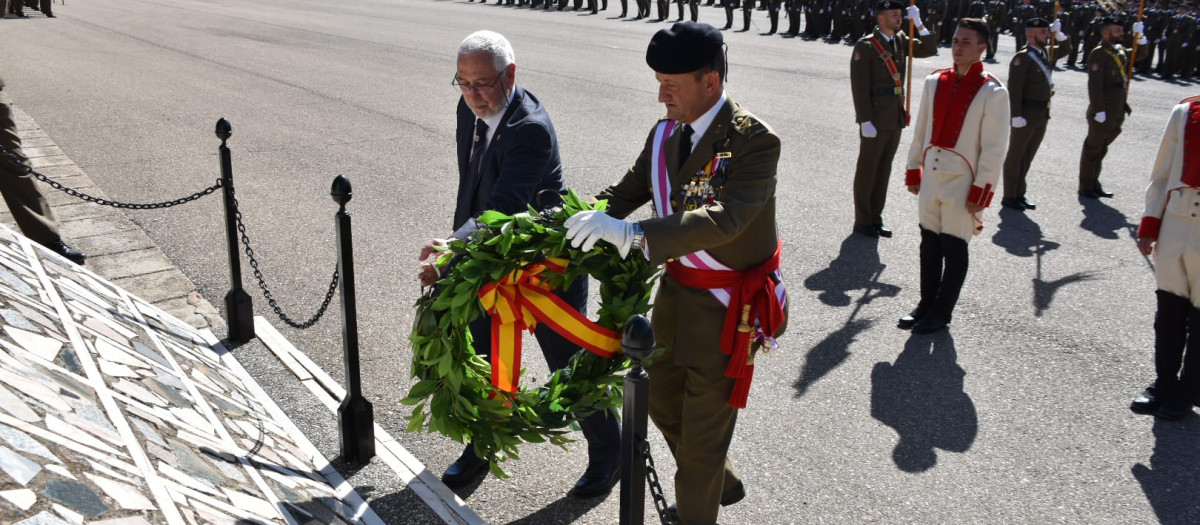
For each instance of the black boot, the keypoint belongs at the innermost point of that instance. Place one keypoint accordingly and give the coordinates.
(1171, 325)
(953, 276)
(680, 3)
(695, 10)
(774, 15)
(1190, 375)
(931, 278)
(793, 23)
(745, 19)
(728, 14)
(664, 10)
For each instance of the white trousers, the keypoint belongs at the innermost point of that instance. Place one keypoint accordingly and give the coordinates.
(942, 198)
(1177, 251)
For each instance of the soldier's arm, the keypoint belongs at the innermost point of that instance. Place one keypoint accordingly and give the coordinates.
(924, 46)
(633, 189)
(1061, 49)
(1096, 73)
(1017, 70)
(1156, 191)
(920, 134)
(860, 81)
(993, 144)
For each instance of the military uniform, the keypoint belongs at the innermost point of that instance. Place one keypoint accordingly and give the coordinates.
(879, 99)
(1030, 86)
(1106, 68)
(1170, 218)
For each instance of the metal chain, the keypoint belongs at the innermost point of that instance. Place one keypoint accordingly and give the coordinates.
(28, 170)
(656, 491)
(262, 283)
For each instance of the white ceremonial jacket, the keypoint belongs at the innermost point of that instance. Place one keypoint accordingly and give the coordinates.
(1167, 175)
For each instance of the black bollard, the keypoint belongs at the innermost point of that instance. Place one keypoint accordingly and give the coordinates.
(355, 416)
(638, 344)
(239, 310)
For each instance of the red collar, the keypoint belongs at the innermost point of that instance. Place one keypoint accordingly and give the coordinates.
(951, 101)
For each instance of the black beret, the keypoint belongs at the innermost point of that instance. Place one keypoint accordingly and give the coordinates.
(885, 5)
(684, 48)
(1111, 21)
(1037, 22)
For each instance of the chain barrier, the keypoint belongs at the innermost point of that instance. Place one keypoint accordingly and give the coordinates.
(262, 283)
(28, 170)
(656, 491)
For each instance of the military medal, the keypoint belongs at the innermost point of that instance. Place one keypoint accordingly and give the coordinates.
(701, 191)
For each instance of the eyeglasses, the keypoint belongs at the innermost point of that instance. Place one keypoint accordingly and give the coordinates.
(477, 87)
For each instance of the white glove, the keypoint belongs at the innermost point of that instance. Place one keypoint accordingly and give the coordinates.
(1081, 33)
(1056, 26)
(868, 130)
(1019, 122)
(1139, 28)
(587, 227)
(915, 14)
(1061, 36)
(1101, 117)
(1183, 44)
(1142, 40)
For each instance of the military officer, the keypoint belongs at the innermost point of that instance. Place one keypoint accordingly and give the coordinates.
(709, 171)
(1030, 86)
(1026, 11)
(877, 85)
(1107, 65)
(26, 203)
(953, 166)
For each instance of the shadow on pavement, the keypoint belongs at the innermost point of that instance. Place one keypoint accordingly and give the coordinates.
(1170, 482)
(856, 267)
(565, 510)
(1020, 236)
(830, 353)
(1101, 219)
(921, 396)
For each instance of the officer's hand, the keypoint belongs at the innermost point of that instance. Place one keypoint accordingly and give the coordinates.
(1101, 117)
(1061, 36)
(428, 274)
(1056, 26)
(1184, 45)
(915, 14)
(914, 188)
(431, 247)
(1146, 245)
(1142, 40)
(974, 208)
(868, 130)
(1139, 28)
(585, 228)
(1018, 122)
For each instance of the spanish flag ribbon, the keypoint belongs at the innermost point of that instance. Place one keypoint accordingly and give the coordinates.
(520, 301)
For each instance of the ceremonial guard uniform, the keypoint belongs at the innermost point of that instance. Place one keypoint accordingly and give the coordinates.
(713, 197)
(1107, 65)
(955, 160)
(1030, 86)
(1169, 226)
(877, 85)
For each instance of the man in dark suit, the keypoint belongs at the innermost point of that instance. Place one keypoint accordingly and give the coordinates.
(508, 159)
(28, 206)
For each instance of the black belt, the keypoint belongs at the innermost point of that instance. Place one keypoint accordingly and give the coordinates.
(1039, 104)
(887, 92)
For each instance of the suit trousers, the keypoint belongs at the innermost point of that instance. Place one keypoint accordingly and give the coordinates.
(1023, 144)
(601, 430)
(1095, 147)
(29, 207)
(942, 201)
(689, 405)
(1177, 250)
(875, 156)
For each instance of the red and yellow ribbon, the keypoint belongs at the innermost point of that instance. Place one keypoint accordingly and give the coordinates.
(519, 302)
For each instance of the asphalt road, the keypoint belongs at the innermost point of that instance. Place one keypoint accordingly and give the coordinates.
(1017, 415)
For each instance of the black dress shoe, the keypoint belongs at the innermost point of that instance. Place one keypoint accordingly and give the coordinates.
(1147, 402)
(929, 324)
(70, 253)
(1105, 194)
(1028, 204)
(597, 480)
(465, 470)
(1013, 202)
(866, 229)
(50, 15)
(735, 494)
(883, 232)
(908, 321)
(1091, 194)
(1175, 406)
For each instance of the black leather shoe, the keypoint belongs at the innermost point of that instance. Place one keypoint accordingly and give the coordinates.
(70, 253)
(1013, 203)
(50, 15)
(735, 494)
(866, 229)
(1028, 204)
(1175, 406)
(930, 324)
(1102, 193)
(908, 321)
(1090, 194)
(465, 470)
(1147, 402)
(883, 231)
(597, 480)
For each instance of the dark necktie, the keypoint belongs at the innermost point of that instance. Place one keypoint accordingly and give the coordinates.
(685, 144)
(481, 128)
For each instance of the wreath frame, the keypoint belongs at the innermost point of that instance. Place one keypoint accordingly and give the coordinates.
(453, 394)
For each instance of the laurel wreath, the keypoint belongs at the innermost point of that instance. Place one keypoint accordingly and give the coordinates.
(453, 394)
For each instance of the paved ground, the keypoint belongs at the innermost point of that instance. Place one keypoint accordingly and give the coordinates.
(1017, 415)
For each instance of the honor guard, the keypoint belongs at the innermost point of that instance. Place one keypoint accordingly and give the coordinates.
(1030, 86)
(1166, 230)
(953, 166)
(1107, 66)
(877, 85)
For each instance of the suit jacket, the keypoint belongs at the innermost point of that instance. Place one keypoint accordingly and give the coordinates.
(738, 229)
(871, 82)
(1106, 82)
(519, 164)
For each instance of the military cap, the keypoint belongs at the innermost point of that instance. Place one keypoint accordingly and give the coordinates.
(885, 5)
(684, 48)
(1037, 22)
(1111, 20)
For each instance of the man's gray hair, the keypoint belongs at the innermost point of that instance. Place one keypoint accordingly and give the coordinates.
(489, 42)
